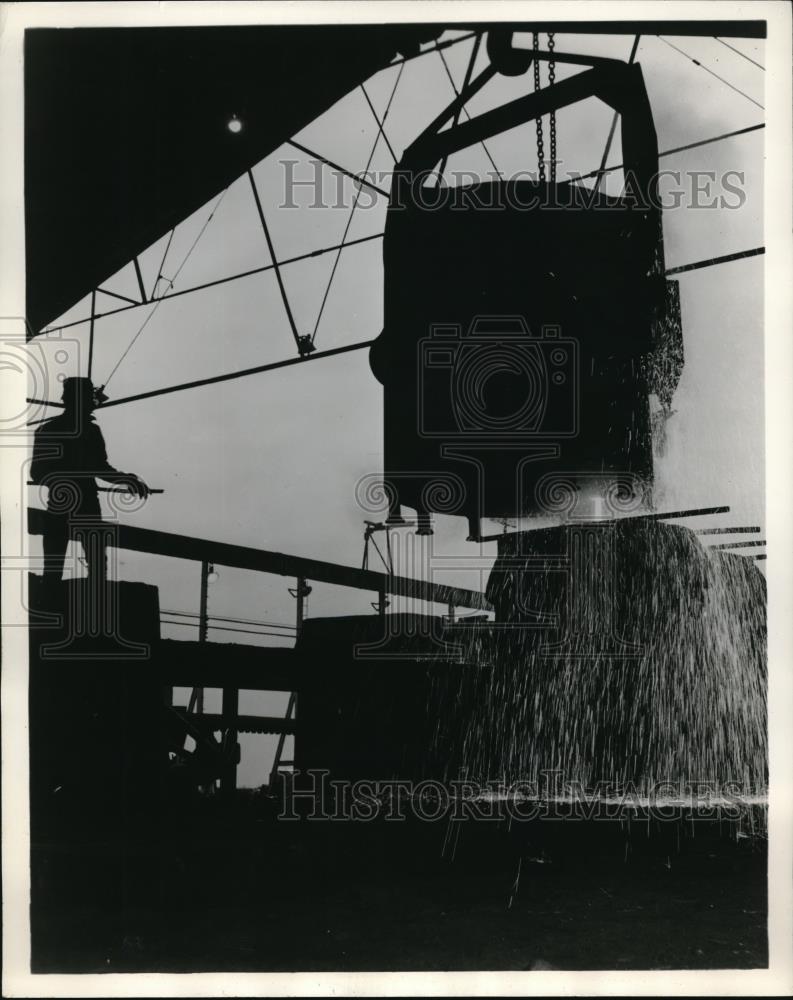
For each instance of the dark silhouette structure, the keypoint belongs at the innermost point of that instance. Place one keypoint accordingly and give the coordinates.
(69, 455)
(131, 174)
(589, 667)
(526, 345)
(519, 343)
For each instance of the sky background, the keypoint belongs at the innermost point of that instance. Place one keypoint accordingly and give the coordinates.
(272, 460)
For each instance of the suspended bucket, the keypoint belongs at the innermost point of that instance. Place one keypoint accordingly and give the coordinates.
(520, 315)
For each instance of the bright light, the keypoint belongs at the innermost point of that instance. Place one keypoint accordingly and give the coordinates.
(234, 124)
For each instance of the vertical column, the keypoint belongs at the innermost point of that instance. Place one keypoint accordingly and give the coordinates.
(203, 620)
(91, 335)
(230, 710)
(300, 593)
(203, 625)
(301, 586)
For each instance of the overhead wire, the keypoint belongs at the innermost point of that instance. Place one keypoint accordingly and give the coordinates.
(468, 73)
(274, 365)
(234, 621)
(162, 265)
(379, 123)
(742, 54)
(696, 62)
(159, 301)
(363, 239)
(339, 247)
(355, 201)
(435, 48)
(229, 628)
(342, 170)
(218, 281)
(374, 236)
(678, 149)
(464, 110)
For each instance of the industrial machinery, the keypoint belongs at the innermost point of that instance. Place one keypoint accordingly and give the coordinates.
(524, 319)
(528, 323)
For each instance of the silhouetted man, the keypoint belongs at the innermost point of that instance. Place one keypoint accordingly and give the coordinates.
(69, 455)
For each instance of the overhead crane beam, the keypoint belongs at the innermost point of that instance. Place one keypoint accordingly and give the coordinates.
(703, 29)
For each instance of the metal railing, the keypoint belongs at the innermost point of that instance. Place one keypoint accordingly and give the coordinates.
(302, 570)
(211, 554)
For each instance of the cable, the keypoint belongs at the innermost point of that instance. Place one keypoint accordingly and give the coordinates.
(221, 618)
(379, 123)
(343, 243)
(355, 205)
(218, 281)
(679, 149)
(348, 173)
(225, 628)
(463, 109)
(683, 268)
(162, 264)
(435, 48)
(702, 66)
(466, 81)
(716, 138)
(173, 280)
(742, 54)
(363, 239)
(337, 246)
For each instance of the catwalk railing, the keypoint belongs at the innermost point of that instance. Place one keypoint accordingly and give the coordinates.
(212, 553)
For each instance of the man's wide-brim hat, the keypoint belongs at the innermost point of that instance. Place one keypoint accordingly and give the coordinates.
(82, 388)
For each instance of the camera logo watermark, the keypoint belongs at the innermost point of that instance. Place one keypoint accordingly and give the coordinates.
(498, 380)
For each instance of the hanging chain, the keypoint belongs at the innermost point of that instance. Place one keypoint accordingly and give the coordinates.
(540, 141)
(551, 81)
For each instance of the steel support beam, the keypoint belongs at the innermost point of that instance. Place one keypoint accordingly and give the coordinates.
(274, 259)
(139, 276)
(272, 366)
(654, 516)
(229, 722)
(716, 260)
(739, 545)
(126, 536)
(708, 29)
(91, 334)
